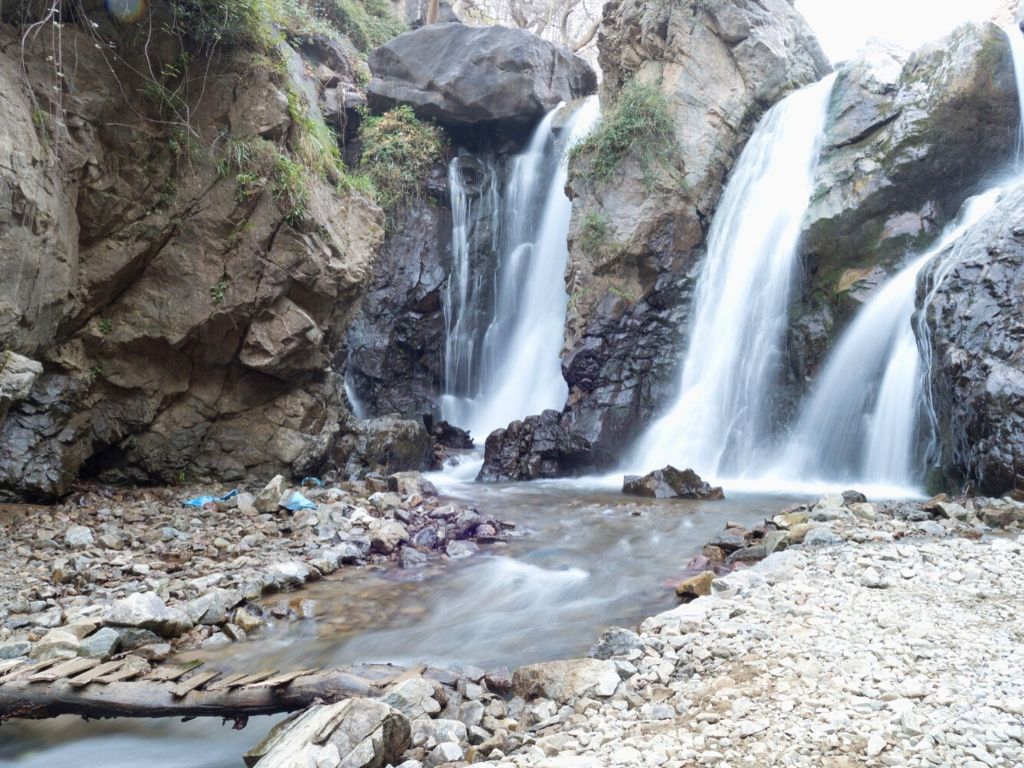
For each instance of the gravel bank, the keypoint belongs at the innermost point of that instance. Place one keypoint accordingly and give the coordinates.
(894, 642)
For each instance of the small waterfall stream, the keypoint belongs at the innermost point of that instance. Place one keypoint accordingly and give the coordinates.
(505, 315)
(861, 422)
(720, 418)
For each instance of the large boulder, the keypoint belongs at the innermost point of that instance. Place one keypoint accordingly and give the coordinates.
(637, 238)
(536, 447)
(186, 321)
(910, 137)
(356, 733)
(563, 681)
(461, 75)
(384, 445)
(974, 327)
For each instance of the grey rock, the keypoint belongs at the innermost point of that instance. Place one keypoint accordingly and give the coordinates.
(616, 641)
(534, 448)
(563, 680)
(670, 483)
(357, 733)
(426, 731)
(13, 649)
(413, 697)
(462, 75)
(974, 331)
(145, 610)
(822, 537)
(101, 644)
(448, 752)
(457, 550)
(79, 537)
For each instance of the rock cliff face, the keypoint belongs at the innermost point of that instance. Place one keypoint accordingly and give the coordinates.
(461, 75)
(396, 338)
(910, 137)
(974, 326)
(183, 283)
(636, 238)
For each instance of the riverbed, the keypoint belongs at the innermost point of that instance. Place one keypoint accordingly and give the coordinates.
(582, 558)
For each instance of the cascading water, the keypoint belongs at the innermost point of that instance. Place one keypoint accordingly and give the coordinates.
(505, 327)
(720, 418)
(863, 420)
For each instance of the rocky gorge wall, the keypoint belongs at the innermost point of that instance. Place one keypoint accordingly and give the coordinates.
(175, 254)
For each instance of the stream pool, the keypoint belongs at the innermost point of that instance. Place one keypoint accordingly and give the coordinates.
(583, 558)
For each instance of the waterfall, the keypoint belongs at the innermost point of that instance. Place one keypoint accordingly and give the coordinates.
(505, 315)
(720, 418)
(861, 421)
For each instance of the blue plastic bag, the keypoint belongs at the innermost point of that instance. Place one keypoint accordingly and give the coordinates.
(202, 501)
(297, 501)
(311, 482)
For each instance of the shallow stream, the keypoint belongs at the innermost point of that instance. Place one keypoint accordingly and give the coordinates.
(582, 558)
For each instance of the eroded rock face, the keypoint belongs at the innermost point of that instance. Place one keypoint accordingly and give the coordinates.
(910, 137)
(720, 64)
(386, 444)
(534, 448)
(975, 327)
(461, 75)
(185, 326)
(396, 337)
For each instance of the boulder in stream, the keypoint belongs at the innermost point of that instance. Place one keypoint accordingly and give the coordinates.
(671, 483)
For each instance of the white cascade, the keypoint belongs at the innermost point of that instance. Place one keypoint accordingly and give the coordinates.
(503, 345)
(861, 422)
(720, 418)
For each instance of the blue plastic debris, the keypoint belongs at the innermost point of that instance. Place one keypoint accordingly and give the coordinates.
(202, 501)
(310, 482)
(297, 501)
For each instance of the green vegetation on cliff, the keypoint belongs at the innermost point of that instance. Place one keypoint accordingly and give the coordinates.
(398, 153)
(638, 122)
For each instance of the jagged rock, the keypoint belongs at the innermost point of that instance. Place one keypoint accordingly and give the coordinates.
(356, 733)
(670, 483)
(563, 680)
(17, 375)
(894, 170)
(396, 337)
(384, 445)
(462, 75)
(448, 435)
(536, 447)
(413, 697)
(145, 610)
(183, 327)
(974, 327)
(101, 644)
(615, 641)
(720, 64)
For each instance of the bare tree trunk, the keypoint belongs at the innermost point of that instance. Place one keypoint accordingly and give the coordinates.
(432, 11)
(143, 698)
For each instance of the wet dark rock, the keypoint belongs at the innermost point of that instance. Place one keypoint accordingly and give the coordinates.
(670, 483)
(448, 435)
(534, 448)
(462, 75)
(975, 328)
(396, 338)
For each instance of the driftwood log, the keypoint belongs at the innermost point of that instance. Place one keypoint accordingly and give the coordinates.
(195, 695)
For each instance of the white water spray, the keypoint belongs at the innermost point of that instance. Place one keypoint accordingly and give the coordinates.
(513, 369)
(720, 418)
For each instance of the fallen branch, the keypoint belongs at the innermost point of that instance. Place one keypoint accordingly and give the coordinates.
(22, 698)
